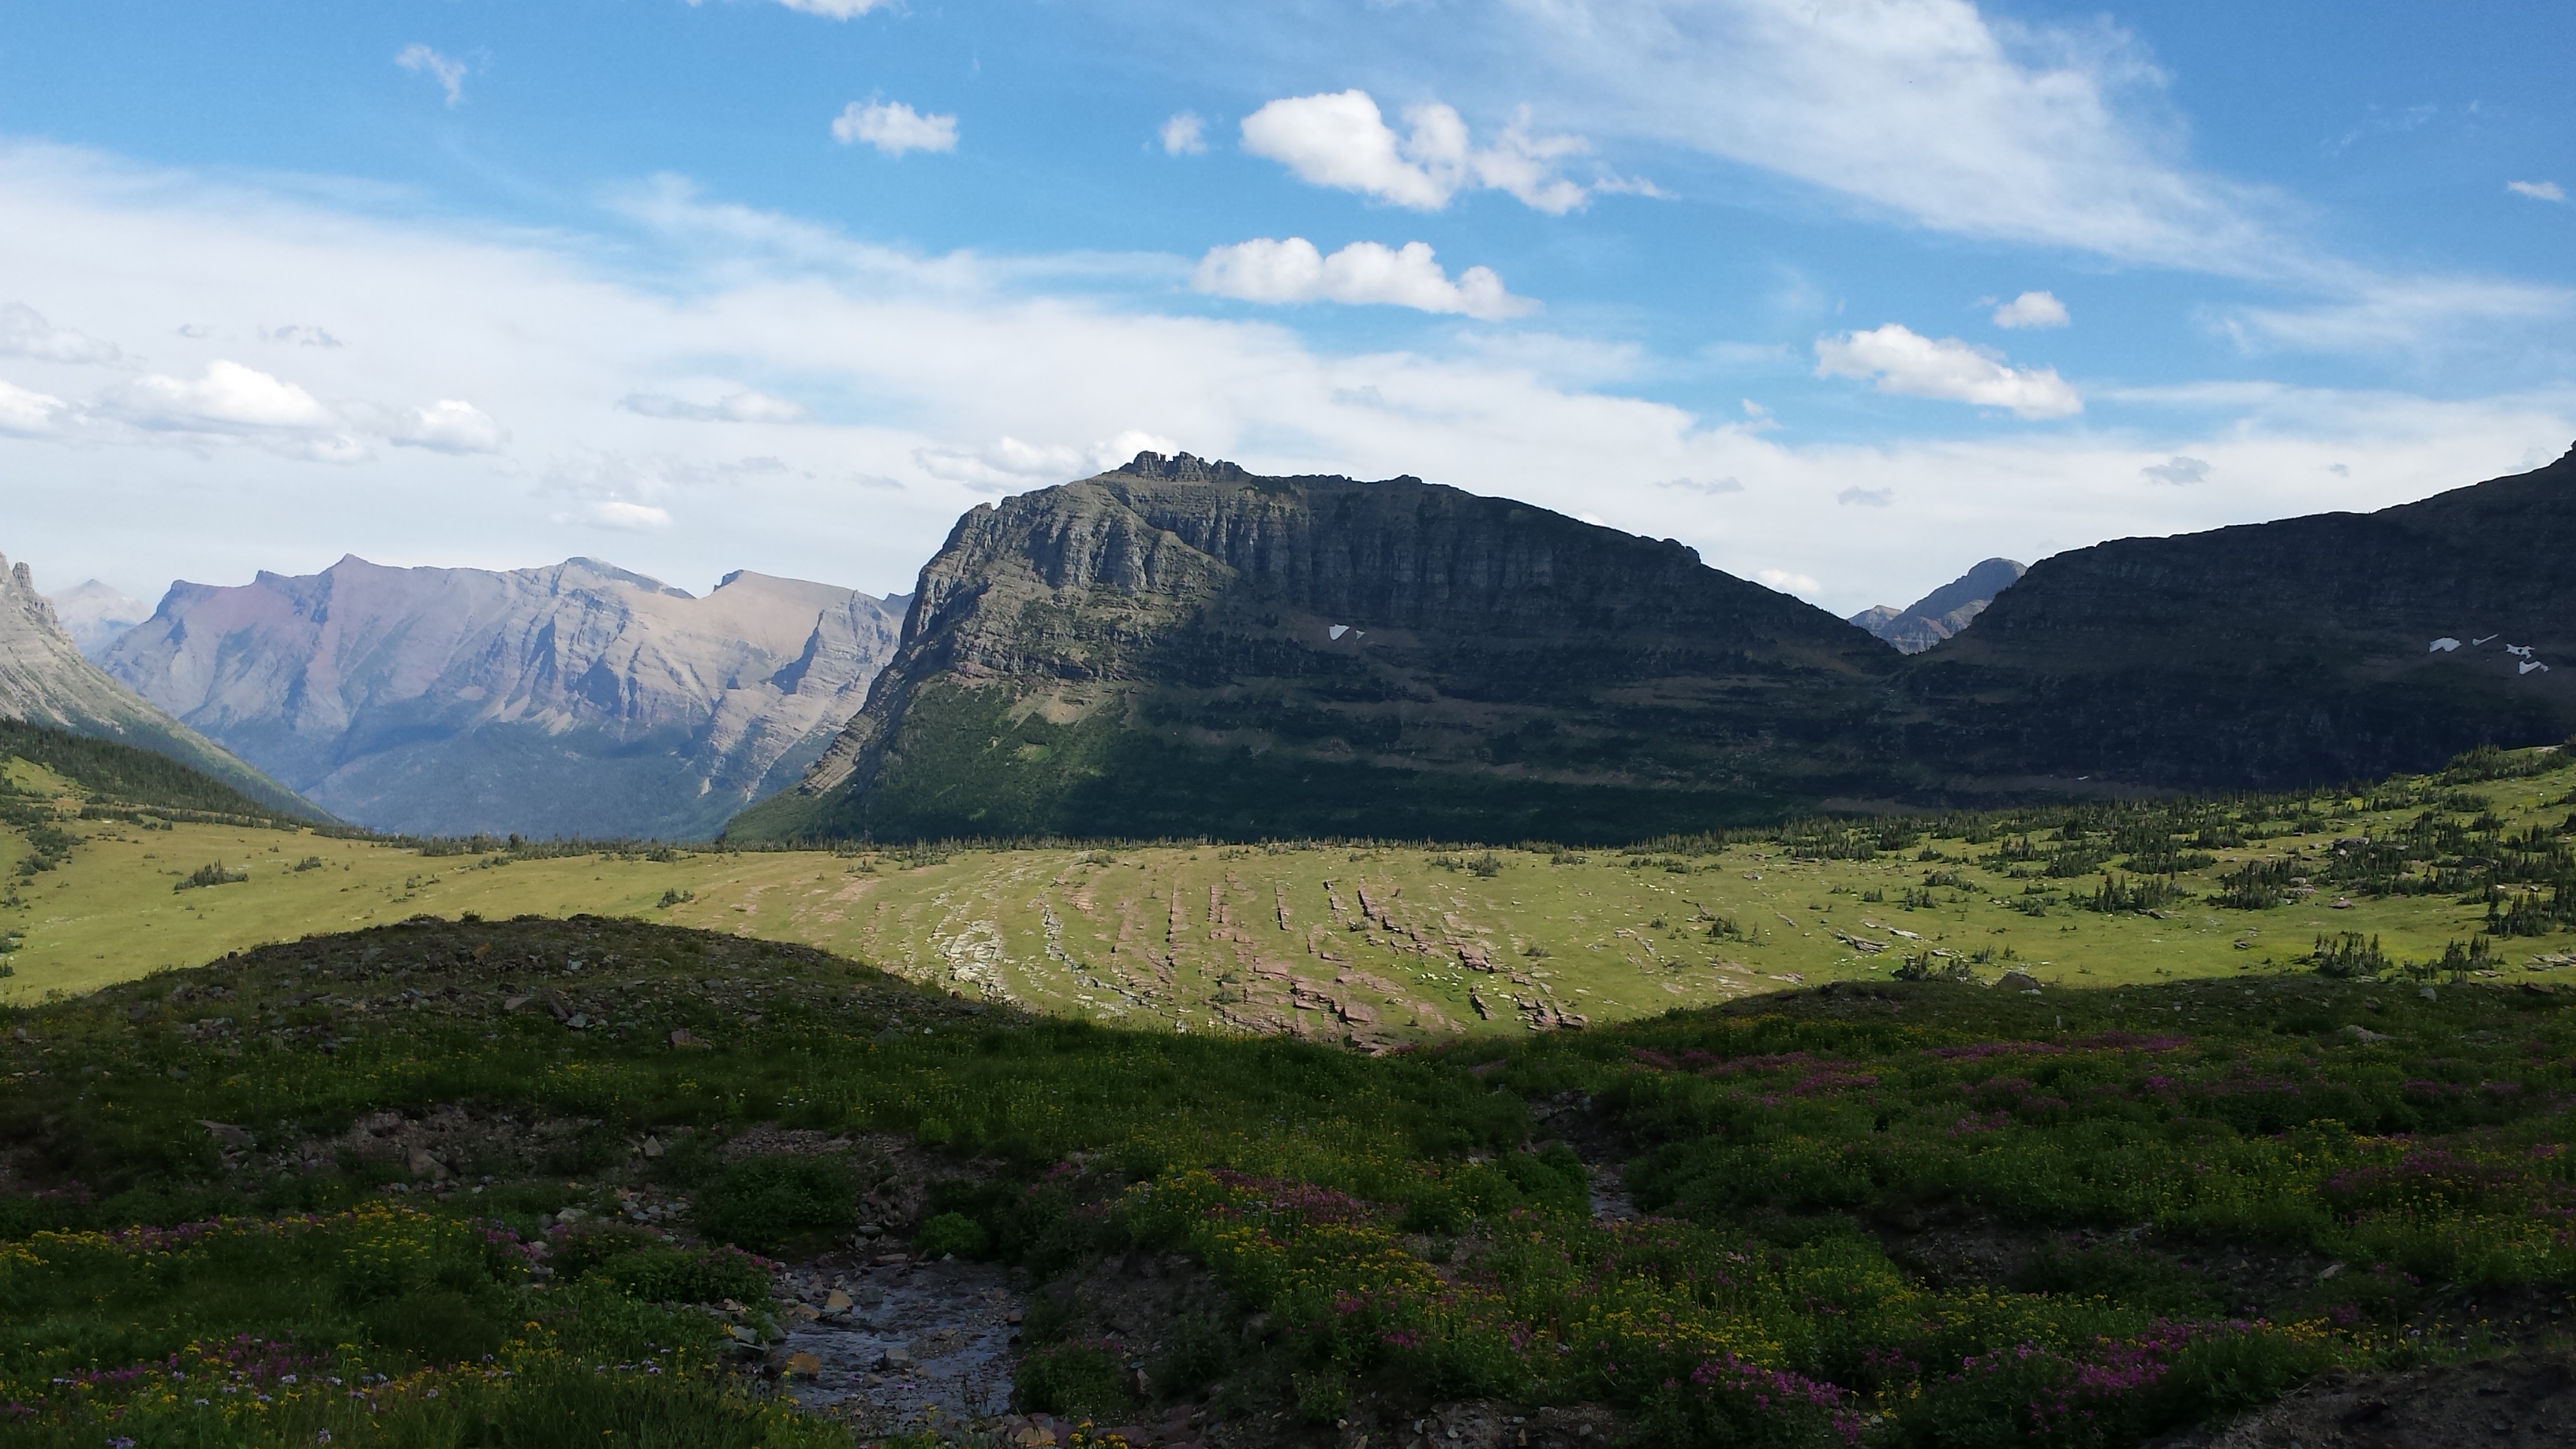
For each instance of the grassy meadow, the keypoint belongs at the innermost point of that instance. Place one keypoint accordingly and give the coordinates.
(1374, 943)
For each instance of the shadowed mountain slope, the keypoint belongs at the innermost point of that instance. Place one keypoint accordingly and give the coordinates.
(2311, 650)
(1182, 648)
(45, 680)
(578, 699)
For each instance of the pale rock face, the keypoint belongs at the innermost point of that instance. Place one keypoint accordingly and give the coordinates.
(45, 680)
(578, 699)
(1943, 612)
(96, 615)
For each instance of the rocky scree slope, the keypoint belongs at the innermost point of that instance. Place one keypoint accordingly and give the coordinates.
(44, 680)
(578, 699)
(1944, 611)
(1179, 647)
(2314, 650)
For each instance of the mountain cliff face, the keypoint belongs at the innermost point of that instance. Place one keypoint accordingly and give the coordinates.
(1944, 611)
(579, 699)
(2308, 651)
(45, 680)
(1180, 647)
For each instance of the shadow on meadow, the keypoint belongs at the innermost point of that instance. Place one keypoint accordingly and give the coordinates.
(1914, 1214)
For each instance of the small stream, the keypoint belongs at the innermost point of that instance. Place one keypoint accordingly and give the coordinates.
(916, 1343)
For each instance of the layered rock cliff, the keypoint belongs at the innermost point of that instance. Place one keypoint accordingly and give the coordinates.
(45, 680)
(1180, 648)
(2307, 651)
(579, 699)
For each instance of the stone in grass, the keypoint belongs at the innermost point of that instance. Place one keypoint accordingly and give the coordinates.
(2018, 980)
(804, 1365)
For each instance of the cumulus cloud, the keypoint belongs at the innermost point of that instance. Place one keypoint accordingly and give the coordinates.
(1907, 363)
(450, 425)
(2032, 309)
(227, 397)
(448, 71)
(1184, 135)
(2179, 471)
(740, 407)
(304, 336)
(1865, 497)
(894, 128)
(24, 332)
(617, 513)
(1266, 270)
(1341, 140)
(1007, 463)
(2537, 190)
(28, 414)
(1787, 582)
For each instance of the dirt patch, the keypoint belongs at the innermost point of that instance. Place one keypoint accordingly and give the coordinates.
(897, 1344)
(2523, 1401)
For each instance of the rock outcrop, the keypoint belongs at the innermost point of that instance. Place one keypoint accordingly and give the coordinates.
(45, 680)
(579, 699)
(1944, 611)
(1179, 647)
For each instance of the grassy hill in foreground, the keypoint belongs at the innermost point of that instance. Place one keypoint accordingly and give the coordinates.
(1920, 1215)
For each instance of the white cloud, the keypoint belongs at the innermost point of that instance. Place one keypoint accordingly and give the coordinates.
(1341, 140)
(28, 414)
(1910, 364)
(2032, 309)
(228, 397)
(2180, 471)
(2407, 316)
(745, 406)
(302, 337)
(1787, 582)
(1266, 270)
(894, 128)
(833, 9)
(450, 425)
(1709, 486)
(1865, 497)
(1184, 135)
(1007, 463)
(24, 332)
(446, 70)
(616, 513)
(2537, 190)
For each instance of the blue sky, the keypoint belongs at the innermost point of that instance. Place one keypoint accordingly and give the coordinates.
(1845, 294)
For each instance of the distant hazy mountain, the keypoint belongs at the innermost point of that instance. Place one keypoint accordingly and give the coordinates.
(45, 680)
(1179, 647)
(579, 699)
(1944, 611)
(96, 615)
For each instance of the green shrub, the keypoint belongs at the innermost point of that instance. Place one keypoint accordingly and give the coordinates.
(953, 1234)
(687, 1275)
(761, 1203)
(1079, 1380)
(1197, 1351)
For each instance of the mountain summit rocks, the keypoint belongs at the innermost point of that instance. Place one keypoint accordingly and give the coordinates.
(577, 699)
(1944, 611)
(45, 680)
(1180, 647)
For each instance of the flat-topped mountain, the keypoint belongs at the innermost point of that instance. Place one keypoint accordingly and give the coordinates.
(578, 699)
(45, 680)
(1944, 611)
(1179, 647)
(2307, 651)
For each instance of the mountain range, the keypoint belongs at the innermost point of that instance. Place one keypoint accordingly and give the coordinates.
(1180, 647)
(46, 681)
(96, 615)
(576, 699)
(1944, 611)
